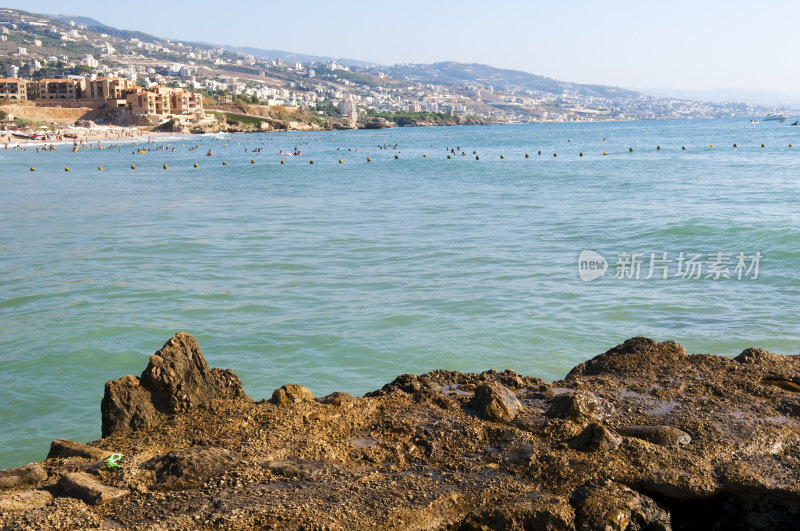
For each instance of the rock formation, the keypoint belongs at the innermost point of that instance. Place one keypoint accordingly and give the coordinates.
(176, 379)
(641, 437)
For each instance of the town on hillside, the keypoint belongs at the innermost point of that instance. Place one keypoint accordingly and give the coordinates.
(153, 79)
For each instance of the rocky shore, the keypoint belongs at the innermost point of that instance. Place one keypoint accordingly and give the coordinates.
(643, 436)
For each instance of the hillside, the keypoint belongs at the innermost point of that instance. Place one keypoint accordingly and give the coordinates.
(508, 80)
(291, 57)
(37, 46)
(98, 27)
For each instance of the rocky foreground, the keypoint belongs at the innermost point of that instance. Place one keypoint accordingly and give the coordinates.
(641, 437)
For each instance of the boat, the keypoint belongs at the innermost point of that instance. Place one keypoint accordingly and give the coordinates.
(19, 134)
(70, 135)
(796, 122)
(753, 121)
(775, 117)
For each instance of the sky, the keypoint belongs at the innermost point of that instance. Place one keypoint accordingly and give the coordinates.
(675, 44)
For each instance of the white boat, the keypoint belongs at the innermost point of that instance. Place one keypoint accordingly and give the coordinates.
(775, 117)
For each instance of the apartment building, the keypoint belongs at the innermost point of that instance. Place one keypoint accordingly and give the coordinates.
(157, 101)
(14, 88)
(105, 88)
(348, 109)
(58, 88)
(161, 100)
(149, 101)
(185, 102)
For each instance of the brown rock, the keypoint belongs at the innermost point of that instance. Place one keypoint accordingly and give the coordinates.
(179, 378)
(189, 468)
(595, 437)
(395, 459)
(29, 474)
(546, 514)
(787, 384)
(611, 506)
(176, 379)
(635, 356)
(290, 394)
(24, 500)
(88, 488)
(494, 401)
(662, 435)
(65, 448)
(582, 406)
(127, 406)
(337, 398)
(756, 356)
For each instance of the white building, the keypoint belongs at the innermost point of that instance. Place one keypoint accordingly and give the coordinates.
(89, 60)
(348, 109)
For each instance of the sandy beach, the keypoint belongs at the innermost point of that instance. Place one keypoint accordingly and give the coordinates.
(83, 137)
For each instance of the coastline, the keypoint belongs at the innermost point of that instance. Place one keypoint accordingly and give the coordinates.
(126, 135)
(638, 437)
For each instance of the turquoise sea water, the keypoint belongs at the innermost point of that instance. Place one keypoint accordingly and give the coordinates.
(342, 276)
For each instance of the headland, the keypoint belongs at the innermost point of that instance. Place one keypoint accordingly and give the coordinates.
(643, 436)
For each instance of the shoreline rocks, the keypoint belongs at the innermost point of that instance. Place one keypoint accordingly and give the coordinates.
(644, 436)
(176, 379)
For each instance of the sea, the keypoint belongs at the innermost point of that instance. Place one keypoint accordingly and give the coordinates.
(373, 253)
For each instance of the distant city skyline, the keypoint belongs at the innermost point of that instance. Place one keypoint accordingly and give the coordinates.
(681, 45)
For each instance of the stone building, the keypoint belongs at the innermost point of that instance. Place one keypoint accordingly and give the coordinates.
(58, 88)
(162, 101)
(105, 88)
(14, 88)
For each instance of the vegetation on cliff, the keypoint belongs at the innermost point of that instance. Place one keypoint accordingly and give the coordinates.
(418, 118)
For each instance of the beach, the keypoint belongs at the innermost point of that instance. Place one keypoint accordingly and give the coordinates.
(84, 137)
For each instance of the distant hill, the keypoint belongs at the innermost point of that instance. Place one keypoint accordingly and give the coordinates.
(452, 72)
(760, 97)
(449, 72)
(78, 20)
(516, 95)
(290, 57)
(98, 27)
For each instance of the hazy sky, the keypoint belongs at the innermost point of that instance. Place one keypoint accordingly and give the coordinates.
(693, 45)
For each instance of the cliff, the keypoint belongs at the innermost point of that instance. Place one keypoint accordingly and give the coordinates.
(643, 436)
